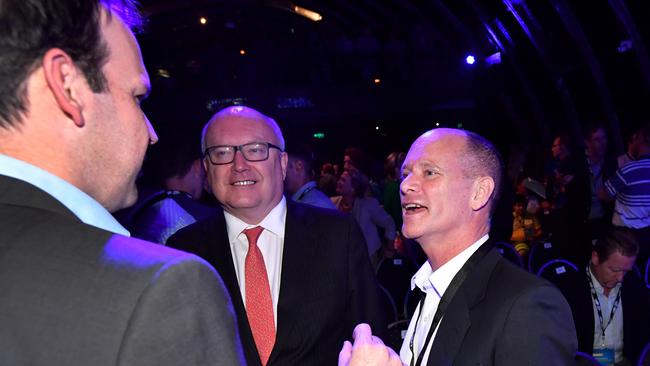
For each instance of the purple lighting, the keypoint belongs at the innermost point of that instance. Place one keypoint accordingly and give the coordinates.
(470, 60)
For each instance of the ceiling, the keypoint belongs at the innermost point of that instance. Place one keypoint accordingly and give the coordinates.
(564, 64)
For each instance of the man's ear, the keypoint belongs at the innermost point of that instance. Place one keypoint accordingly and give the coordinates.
(60, 73)
(481, 192)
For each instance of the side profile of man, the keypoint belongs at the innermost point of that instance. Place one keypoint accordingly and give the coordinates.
(479, 309)
(72, 138)
(299, 276)
(300, 184)
(609, 305)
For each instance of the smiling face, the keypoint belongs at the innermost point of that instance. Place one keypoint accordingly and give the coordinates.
(435, 191)
(247, 190)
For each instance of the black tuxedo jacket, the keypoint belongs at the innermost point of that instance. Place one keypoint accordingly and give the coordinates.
(636, 313)
(327, 285)
(502, 315)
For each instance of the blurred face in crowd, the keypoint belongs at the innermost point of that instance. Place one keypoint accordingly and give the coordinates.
(247, 190)
(597, 143)
(119, 132)
(558, 149)
(344, 184)
(611, 271)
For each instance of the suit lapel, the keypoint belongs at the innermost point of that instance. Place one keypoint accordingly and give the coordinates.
(456, 322)
(296, 261)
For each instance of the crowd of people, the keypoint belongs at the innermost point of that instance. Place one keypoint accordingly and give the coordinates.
(277, 266)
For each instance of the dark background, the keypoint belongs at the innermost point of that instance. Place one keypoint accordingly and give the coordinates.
(565, 64)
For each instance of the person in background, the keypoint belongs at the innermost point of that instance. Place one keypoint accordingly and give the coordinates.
(477, 307)
(300, 184)
(76, 290)
(352, 187)
(609, 304)
(177, 168)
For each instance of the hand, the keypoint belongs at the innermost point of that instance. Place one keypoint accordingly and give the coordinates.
(367, 350)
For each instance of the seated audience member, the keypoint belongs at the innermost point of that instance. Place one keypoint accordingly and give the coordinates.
(74, 288)
(610, 306)
(300, 184)
(526, 226)
(176, 167)
(352, 186)
(630, 188)
(299, 276)
(478, 308)
(390, 186)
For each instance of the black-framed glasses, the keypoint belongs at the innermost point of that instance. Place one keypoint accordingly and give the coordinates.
(253, 151)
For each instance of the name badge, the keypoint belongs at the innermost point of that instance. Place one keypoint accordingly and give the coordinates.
(604, 356)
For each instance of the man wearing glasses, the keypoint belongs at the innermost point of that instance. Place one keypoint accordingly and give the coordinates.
(299, 276)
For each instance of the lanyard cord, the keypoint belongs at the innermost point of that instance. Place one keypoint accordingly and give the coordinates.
(447, 297)
(599, 310)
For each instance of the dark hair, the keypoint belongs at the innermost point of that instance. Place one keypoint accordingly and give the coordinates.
(171, 157)
(644, 134)
(29, 28)
(359, 182)
(359, 157)
(303, 153)
(484, 159)
(617, 239)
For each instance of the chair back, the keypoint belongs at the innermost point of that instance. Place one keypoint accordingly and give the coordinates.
(557, 269)
(644, 359)
(388, 305)
(396, 334)
(540, 253)
(509, 252)
(395, 275)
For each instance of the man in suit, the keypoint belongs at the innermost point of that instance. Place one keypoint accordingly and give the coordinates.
(610, 306)
(491, 312)
(299, 275)
(72, 138)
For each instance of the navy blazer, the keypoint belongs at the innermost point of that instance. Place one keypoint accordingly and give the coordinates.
(327, 285)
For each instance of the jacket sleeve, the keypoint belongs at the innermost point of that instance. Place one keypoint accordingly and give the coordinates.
(183, 317)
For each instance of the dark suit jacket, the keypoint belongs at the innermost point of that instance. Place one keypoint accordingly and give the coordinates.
(327, 285)
(636, 313)
(504, 316)
(72, 294)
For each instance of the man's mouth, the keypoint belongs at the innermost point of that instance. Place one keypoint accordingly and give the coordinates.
(413, 207)
(243, 183)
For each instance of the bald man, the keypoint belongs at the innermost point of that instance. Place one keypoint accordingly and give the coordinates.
(299, 276)
(479, 309)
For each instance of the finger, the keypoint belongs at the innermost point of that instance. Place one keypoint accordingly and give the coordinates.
(345, 354)
(377, 340)
(362, 334)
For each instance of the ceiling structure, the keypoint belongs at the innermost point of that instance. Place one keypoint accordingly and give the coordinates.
(383, 71)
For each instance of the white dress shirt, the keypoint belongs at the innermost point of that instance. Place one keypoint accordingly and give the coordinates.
(614, 332)
(271, 244)
(434, 284)
(81, 204)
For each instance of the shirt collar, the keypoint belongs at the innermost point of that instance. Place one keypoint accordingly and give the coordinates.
(600, 290)
(307, 186)
(427, 280)
(81, 204)
(274, 222)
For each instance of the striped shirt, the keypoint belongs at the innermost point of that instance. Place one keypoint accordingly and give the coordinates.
(631, 188)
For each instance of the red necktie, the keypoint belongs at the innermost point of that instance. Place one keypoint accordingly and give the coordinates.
(259, 305)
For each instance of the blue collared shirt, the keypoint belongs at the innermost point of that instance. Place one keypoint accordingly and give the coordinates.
(81, 204)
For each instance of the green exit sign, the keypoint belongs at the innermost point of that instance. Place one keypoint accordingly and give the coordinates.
(319, 135)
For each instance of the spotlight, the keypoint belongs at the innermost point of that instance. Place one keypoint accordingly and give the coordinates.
(470, 60)
(203, 20)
